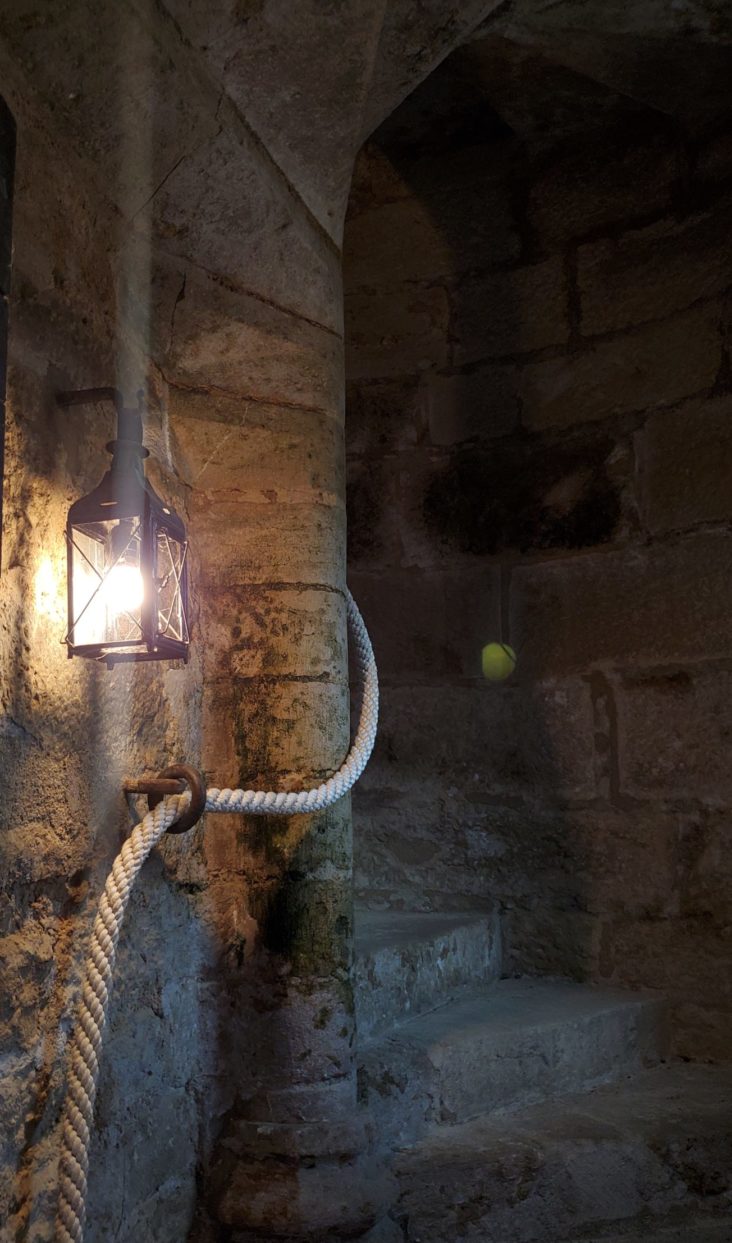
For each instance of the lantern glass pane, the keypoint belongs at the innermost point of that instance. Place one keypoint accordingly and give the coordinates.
(169, 575)
(107, 583)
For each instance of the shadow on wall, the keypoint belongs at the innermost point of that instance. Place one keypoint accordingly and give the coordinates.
(515, 315)
(448, 492)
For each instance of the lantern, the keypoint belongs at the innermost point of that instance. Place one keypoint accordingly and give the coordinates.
(127, 557)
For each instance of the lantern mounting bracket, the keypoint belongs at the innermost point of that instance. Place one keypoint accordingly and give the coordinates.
(129, 418)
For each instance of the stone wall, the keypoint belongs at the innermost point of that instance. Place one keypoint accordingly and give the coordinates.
(539, 439)
(70, 731)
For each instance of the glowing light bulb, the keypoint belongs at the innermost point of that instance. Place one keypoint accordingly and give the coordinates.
(123, 590)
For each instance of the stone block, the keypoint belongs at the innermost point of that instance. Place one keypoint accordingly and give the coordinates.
(549, 942)
(599, 861)
(263, 734)
(384, 416)
(420, 845)
(312, 132)
(224, 202)
(408, 964)
(595, 189)
(714, 160)
(7, 168)
(446, 230)
(656, 365)
(705, 888)
(240, 543)
(521, 1042)
(341, 1194)
(396, 334)
(682, 957)
(430, 40)
(649, 605)
(429, 626)
(649, 273)
(293, 729)
(694, 1228)
(227, 446)
(510, 312)
(375, 181)
(519, 493)
(393, 243)
(615, 1156)
(216, 337)
(674, 732)
(374, 515)
(276, 632)
(471, 200)
(685, 466)
(518, 740)
(477, 405)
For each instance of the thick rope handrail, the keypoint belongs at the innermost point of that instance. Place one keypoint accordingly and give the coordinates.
(270, 803)
(86, 1039)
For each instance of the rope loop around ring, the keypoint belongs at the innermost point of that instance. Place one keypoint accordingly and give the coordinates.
(197, 805)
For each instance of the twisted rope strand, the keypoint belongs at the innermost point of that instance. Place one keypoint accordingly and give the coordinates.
(86, 1040)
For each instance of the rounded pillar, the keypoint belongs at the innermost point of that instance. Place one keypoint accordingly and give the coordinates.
(286, 1155)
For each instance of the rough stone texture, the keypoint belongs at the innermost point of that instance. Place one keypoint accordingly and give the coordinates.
(686, 1229)
(71, 732)
(687, 712)
(388, 338)
(313, 134)
(409, 964)
(7, 176)
(510, 312)
(596, 188)
(519, 1043)
(7, 173)
(606, 610)
(651, 366)
(645, 274)
(629, 1155)
(550, 469)
(685, 465)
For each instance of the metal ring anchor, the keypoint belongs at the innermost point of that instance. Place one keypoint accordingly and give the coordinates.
(173, 780)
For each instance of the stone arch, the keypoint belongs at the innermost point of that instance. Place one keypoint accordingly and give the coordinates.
(514, 424)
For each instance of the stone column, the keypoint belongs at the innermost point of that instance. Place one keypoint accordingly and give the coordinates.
(259, 436)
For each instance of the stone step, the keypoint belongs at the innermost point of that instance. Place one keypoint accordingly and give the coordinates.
(697, 1229)
(614, 1164)
(519, 1043)
(408, 964)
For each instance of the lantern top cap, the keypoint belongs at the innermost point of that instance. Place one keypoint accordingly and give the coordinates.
(124, 492)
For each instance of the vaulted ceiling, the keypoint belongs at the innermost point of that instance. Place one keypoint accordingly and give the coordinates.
(226, 132)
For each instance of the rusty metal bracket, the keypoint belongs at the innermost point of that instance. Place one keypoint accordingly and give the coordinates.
(173, 780)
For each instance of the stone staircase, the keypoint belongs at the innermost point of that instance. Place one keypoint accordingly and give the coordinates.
(531, 1111)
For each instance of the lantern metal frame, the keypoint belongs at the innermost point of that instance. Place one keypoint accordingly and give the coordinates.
(125, 496)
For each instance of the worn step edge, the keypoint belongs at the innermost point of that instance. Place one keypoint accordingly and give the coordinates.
(617, 1159)
(523, 1042)
(709, 1228)
(408, 964)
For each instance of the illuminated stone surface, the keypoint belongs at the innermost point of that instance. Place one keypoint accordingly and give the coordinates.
(181, 185)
